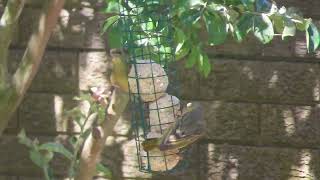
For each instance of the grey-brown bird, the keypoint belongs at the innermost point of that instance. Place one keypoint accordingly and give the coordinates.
(186, 130)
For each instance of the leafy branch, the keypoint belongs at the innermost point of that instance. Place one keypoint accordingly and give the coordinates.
(42, 154)
(220, 18)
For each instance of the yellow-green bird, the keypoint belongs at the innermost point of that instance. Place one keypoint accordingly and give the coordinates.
(119, 73)
(186, 130)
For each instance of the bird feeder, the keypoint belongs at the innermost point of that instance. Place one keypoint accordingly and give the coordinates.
(155, 104)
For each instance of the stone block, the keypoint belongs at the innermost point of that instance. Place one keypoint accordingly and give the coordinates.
(58, 72)
(307, 7)
(300, 47)
(279, 82)
(8, 178)
(28, 21)
(14, 157)
(228, 162)
(120, 155)
(279, 48)
(183, 82)
(43, 113)
(92, 68)
(250, 46)
(19, 163)
(231, 121)
(291, 125)
(258, 81)
(78, 26)
(223, 83)
(13, 123)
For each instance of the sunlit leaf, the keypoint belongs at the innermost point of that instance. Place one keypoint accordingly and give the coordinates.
(115, 35)
(206, 66)
(108, 23)
(263, 28)
(278, 23)
(23, 139)
(245, 25)
(188, 18)
(289, 28)
(313, 37)
(303, 25)
(37, 158)
(193, 57)
(179, 38)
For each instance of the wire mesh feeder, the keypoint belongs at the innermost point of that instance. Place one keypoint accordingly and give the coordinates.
(149, 41)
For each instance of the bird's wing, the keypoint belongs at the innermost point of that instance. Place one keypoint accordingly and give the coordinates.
(180, 143)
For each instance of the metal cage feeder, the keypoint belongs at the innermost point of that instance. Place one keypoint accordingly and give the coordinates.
(148, 37)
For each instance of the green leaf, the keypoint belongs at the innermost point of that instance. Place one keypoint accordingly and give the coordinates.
(179, 47)
(195, 3)
(247, 3)
(217, 29)
(72, 140)
(313, 38)
(206, 66)
(86, 133)
(115, 35)
(193, 57)
(214, 8)
(147, 25)
(183, 52)
(23, 139)
(237, 34)
(37, 158)
(57, 148)
(179, 38)
(190, 17)
(102, 169)
(303, 25)
(47, 156)
(101, 115)
(244, 25)
(111, 20)
(113, 7)
(263, 28)
(289, 28)
(278, 23)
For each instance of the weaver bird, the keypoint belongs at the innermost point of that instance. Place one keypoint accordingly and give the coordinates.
(119, 70)
(186, 130)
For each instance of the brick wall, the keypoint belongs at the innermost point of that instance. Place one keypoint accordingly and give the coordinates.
(261, 103)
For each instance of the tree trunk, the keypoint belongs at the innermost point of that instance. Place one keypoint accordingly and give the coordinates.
(12, 95)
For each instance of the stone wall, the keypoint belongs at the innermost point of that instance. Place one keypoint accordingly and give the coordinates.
(261, 103)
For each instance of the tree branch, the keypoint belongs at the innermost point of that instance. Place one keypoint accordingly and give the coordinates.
(36, 46)
(94, 145)
(11, 98)
(8, 23)
(116, 103)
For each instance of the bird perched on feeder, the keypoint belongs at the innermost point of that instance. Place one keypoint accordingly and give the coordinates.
(186, 130)
(119, 69)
